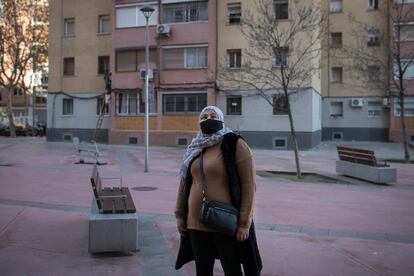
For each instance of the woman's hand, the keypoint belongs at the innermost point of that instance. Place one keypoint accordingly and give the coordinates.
(242, 234)
(181, 226)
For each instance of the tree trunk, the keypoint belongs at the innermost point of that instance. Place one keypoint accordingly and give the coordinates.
(10, 112)
(294, 140)
(404, 129)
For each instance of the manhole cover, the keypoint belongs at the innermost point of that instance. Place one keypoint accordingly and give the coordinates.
(144, 188)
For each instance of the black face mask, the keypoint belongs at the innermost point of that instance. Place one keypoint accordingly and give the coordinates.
(211, 126)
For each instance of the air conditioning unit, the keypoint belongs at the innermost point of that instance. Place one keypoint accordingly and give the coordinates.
(163, 29)
(142, 74)
(357, 102)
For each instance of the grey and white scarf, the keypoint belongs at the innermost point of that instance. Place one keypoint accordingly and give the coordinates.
(202, 141)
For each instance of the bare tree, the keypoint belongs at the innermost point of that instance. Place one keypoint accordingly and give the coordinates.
(23, 42)
(387, 72)
(282, 55)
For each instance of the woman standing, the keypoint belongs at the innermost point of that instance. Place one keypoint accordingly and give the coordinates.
(229, 177)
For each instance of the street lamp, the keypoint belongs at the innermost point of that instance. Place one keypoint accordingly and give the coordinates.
(147, 10)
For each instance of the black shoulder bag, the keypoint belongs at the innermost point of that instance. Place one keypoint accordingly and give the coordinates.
(215, 215)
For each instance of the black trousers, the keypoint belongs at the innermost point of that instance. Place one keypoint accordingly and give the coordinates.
(205, 244)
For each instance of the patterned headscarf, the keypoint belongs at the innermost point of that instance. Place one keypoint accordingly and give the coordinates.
(202, 141)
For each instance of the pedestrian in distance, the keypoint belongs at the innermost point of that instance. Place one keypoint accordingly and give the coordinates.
(218, 167)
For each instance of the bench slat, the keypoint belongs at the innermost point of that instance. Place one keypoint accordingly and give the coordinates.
(130, 206)
(111, 200)
(360, 156)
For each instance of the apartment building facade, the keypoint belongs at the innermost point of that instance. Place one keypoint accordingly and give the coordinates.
(182, 57)
(191, 43)
(402, 16)
(80, 52)
(354, 106)
(247, 111)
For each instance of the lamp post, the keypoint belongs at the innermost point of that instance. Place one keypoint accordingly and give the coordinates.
(147, 10)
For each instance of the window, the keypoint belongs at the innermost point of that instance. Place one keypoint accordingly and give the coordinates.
(99, 103)
(189, 58)
(373, 73)
(41, 99)
(234, 59)
(133, 17)
(181, 141)
(335, 6)
(234, 105)
(17, 92)
(403, 1)
(132, 60)
(185, 12)
(336, 109)
(67, 106)
(103, 65)
(127, 103)
(69, 66)
(234, 13)
(373, 38)
(372, 4)
(409, 72)
(336, 40)
(69, 27)
(132, 140)
(282, 57)
(406, 31)
(184, 103)
(280, 105)
(280, 142)
(281, 9)
(336, 74)
(408, 107)
(337, 135)
(104, 26)
(374, 109)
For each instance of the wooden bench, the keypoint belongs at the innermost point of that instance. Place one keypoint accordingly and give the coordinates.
(111, 200)
(362, 163)
(113, 221)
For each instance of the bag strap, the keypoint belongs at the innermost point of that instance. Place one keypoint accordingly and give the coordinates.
(203, 191)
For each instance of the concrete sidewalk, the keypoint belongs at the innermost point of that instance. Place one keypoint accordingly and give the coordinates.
(303, 228)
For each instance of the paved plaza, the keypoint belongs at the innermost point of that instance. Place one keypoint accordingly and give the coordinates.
(303, 228)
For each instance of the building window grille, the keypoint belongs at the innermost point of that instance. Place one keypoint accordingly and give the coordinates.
(373, 38)
(281, 9)
(281, 58)
(67, 106)
(372, 4)
(280, 105)
(127, 103)
(336, 40)
(337, 109)
(104, 26)
(234, 105)
(185, 12)
(69, 66)
(99, 103)
(234, 13)
(373, 73)
(234, 59)
(336, 74)
(185, 58)
(69, 27)
(103, 65)
(184, 103)
(335, 6)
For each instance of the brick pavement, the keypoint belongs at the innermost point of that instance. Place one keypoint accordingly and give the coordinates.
(303, 228)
